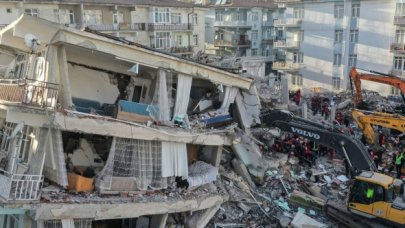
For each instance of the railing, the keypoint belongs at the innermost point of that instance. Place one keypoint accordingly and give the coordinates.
(399, 20)
(29, 92)
(181, 49)
(232, 43)
(169, 27)
(119, 27)
(20, 187)
(267, 41)
(232, 23)
(287, 22)
(285, 66)
(285, 44)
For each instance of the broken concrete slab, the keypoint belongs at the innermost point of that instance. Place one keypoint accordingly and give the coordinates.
(301, 220)
(306, 200)
(241, 170)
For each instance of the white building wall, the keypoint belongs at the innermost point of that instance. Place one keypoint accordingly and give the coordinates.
(6, 18)
(319, 27)
(376, 33)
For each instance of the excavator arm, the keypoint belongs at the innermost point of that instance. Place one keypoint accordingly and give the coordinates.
(366, 119)
(356, 78)
(354, 151)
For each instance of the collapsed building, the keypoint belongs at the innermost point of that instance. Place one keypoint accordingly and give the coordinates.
(81, 110)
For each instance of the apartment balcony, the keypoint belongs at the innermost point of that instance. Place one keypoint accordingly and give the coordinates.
(119, 27)
(20, 187)
(267, 41)
(286, 44)
(398, 48)
(233, 43)
(286, 66)
(399, 20)
(181, 50)
(398, 73)
(232, 24)
(291, 22)
(29, 92)
(169, 27)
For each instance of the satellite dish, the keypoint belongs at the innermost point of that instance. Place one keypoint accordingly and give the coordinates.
(31, 41)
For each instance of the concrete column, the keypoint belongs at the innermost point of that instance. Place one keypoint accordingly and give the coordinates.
(66, 98)
(332, 113)
(304, 110)
(159, 221)
(216, 156)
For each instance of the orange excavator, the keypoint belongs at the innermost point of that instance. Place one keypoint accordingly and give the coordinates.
(356, 77)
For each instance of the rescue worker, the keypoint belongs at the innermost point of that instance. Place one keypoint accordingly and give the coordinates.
(370, 192)
(399, 159)
(297, 97)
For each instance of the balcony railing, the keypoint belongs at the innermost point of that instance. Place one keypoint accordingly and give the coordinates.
(29, 92)
(169, 27)
(287, 66)
(398, 73)
(20, 187)
(291, 22)
(233, 43)
(188, 49)
(399, 20)
(119, 27)
(398, 47)
(286, 44)
(232, 24)
(268, 41)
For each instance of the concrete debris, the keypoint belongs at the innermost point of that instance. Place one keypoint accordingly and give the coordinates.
(301, 220)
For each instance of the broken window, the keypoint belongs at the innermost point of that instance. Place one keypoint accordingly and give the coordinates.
(64, 16)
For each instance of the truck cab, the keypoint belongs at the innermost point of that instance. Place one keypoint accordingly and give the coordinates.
(375, 195)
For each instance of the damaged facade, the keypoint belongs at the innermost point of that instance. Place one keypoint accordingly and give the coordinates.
(103, 116)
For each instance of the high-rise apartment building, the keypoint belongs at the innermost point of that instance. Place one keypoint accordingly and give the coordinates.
(169, 25)
(319, 41)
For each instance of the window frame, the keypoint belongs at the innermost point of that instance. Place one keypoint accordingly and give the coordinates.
(337, 59)
(352, 60)
(339, 11)
(355, 10)
(34, 12)
(336, 83)
(338, 36)
(195, 39)
(162, 15)
(354, 36)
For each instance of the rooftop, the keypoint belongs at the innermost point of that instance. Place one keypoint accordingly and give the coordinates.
(244, 4)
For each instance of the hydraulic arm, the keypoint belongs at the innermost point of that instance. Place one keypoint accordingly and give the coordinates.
(353, 150)
(356, 78)
(365, 120)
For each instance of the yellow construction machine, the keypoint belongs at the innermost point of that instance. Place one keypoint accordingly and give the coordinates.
(365, 120)
(375, 195)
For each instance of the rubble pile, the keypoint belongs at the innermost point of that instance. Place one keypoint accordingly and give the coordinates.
(290, 190)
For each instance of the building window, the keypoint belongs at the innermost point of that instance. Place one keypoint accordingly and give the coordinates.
(255, 35)
(254, 51)
(339, 11)
(20, 66)
(400, 36)
(336, 83)
(356, 10)
(64, 16)
(118, 17)
(195, 40)
(399, 63)
(162, 15)
(337, 59)
(195, 19)
(352, 60)
(298, 13)
(301, 35)
(162, 40)
(219, 16)
(338, 36)
(280, 33)
(354, 36)
(255, 16)
(220, 36)
(8, 10)
(92, 17)
(400, 9)
(298, 57)
(267, 52)
(179, 39)
(32, 12)
(176, 18)
(297, 79)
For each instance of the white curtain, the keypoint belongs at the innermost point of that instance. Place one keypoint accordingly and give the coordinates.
(229, 98)
(160, 108)
(182, 96)
(174, 160)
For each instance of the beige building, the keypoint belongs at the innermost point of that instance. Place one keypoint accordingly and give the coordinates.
(87, 112)
(168, 25)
